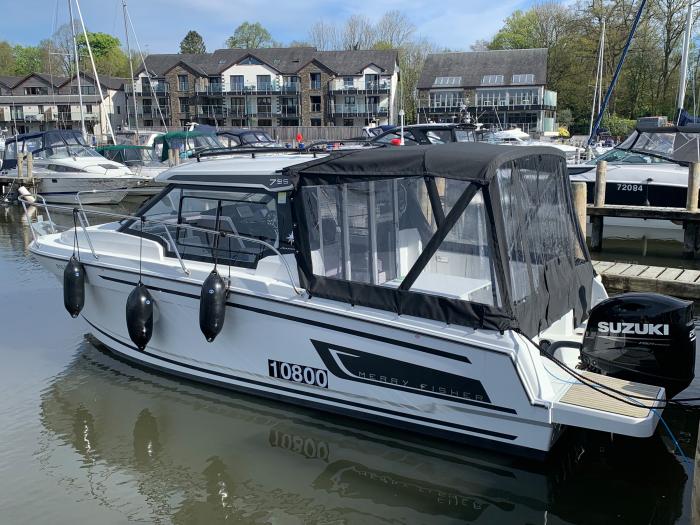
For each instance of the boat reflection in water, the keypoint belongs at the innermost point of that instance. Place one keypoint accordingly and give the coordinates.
(158, 448)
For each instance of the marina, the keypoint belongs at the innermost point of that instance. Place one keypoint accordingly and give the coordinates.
(351, 276)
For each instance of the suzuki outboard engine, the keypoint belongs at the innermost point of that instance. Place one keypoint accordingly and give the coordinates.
(643, 337)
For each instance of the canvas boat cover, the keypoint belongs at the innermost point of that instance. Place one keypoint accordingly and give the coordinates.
(541, 264)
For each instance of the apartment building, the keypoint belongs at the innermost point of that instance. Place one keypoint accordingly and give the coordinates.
(267, 87)
(504, 89)
(39, 102)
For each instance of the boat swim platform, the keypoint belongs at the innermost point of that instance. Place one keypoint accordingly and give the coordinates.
(584, 396)
(579, 405)
(629, 277)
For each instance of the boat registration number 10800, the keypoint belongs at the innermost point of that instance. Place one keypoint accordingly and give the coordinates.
(298, 373)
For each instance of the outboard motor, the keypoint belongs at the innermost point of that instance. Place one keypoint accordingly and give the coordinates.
(643, 337)
(74, 287)
(139, 315)
(212, 305)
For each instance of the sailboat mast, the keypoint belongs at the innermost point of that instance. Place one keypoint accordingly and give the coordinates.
(598, 91)
(684, 59)
(131, 70)
(77, 69)
(94, 70)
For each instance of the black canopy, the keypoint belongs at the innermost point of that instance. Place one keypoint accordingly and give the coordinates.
(527, 195)
(470, 161)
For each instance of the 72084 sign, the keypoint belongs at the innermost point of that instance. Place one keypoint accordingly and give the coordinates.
(298, 373)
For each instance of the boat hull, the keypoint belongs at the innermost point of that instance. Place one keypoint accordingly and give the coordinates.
(326, 361)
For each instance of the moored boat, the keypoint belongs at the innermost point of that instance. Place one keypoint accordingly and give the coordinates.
(439, 289)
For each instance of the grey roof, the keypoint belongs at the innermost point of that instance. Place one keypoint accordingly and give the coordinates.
(353, 62)
(286, 60)
(9, 81)
(472, 66)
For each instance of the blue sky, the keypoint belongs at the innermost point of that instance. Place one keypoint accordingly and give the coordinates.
(161, 24)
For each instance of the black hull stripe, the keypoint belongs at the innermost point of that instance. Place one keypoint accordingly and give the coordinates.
(311, 322)
(464, 428)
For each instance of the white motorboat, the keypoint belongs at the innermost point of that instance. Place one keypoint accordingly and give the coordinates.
(648, 169)
(438, 289)
(64, 167)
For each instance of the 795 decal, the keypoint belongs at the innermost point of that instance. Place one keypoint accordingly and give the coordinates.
(298, 373)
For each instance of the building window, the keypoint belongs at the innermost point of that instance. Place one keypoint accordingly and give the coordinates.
(184, 105)
(36, 91)
(237, 83)
(528, 78)
(289, 106)
(88, 108)
(183, 83)
(348, 82)
(492, 79)
(264, 83)
(447, 81)
(237, 105)
(119, 110)
(347, 122)
(148, 123)
(86, 90)
(215, 84)
(291, 84)
(315, 104)
(265, 105)
(447, 99)
(315, 121)
(315, 80)
(350, 101)
(183, 122)
(265, 122)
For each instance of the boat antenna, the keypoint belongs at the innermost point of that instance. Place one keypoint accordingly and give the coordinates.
(684, 60)
(77, 69)
(613, 82)
(131, 70)
(94, 70)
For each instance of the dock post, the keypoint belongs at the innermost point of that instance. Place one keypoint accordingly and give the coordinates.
(597, 222)
(690, 228)
(30, 166)
(176, 156)
(580, 194)
(20, 166)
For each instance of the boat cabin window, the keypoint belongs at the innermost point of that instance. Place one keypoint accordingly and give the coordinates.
(241, 215)
(374, 232)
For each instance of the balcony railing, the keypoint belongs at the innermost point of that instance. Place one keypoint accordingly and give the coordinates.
(359, 109)
(33, 117)
(145, 90)
(359, 86)
(289, 111)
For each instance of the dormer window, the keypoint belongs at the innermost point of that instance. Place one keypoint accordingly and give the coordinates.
(492, 79)
(447, 81)
(524, 78)
(250, 61)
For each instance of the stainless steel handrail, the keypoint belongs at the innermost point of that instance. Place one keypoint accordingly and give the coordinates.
(122, 216)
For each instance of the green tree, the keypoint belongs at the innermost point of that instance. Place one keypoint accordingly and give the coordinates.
(193, 43)
(7, 59)
(100, 43)
(250, 36)
(27, 60)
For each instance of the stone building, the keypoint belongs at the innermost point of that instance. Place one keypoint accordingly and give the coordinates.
(267, 87)
(505, 88)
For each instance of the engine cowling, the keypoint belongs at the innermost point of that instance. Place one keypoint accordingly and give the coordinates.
(643, 337)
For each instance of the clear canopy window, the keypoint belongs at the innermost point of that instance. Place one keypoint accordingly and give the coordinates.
(373, 233)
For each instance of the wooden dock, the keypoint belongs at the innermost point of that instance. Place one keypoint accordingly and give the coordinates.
(628, 277)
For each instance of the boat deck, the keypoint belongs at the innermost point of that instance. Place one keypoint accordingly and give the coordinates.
(584, 396)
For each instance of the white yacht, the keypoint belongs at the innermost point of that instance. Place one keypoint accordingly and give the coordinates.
(439, 289)
(64, 166)
(650, 168)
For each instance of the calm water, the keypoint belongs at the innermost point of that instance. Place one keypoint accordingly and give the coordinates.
(87, 438)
